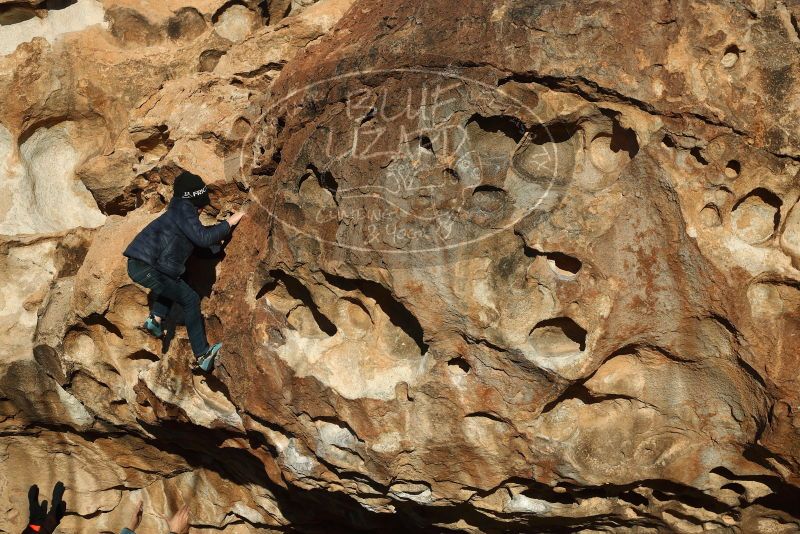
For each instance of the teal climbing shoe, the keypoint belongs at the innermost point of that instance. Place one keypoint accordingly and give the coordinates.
(154, 327)
(206, 361)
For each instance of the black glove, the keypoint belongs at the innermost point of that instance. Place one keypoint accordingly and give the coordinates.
(41, 521)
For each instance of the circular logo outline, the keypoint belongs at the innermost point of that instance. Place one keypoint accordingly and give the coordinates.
(455, 76)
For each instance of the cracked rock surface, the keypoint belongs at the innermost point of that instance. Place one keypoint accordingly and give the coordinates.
(507, 266)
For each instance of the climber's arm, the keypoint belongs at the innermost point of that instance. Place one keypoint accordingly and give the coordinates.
(199, 234)
(136, 518)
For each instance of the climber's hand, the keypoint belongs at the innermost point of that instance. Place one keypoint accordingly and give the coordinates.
(234, 219)
(57, 509)
(36, 511)
(39, 516)
(179, 523)
(136, 518)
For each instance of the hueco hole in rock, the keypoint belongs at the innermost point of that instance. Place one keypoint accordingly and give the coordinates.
(399, 266)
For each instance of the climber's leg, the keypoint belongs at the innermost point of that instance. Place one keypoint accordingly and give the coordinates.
(143, 274)
(176, 290)
(190, 301)
(179, 291)
(206, 361)
(161, 307)
(140, 272)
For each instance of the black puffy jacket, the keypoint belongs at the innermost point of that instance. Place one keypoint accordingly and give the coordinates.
(167, 242)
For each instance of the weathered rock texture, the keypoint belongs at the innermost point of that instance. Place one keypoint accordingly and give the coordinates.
(507, 267)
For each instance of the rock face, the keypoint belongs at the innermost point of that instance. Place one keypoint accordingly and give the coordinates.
(507, 267)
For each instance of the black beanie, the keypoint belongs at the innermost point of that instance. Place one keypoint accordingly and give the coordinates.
(191, 187)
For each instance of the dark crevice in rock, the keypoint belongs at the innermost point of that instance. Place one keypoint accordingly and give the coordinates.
(208, 60)
(633, 498)
(733, 486)
(569, 328)
(87, 434)
(144, 354)
(101, 320)
(733, 49)
(557, 132)
(266, 167)
(333, 420)
(666, 490)
(270, 284)
(784, 497)
(398, 314)
(186, 22)
(566, 494)
(488, 189)
(216, 385)
(15, 12)
(594, 92)
(459, 363)
(325, 180)
(224, 7)
(565, 262)
(369, 116)
(202, 448)
(486, 415)
(304, 509)
(734, 332)
(578, 391)
(157, 139)
(767, 197)
(263, 10)
(287, 11)
(297, 290)
(726, 324)
(507, 125)
(622, 139)
(425, 142)
(692, 520)
(358, 303)
(47, 122)
(451, 175)
(269, 424)
(257, 440)
(697, 154)
(485, 342)
(122, 204)
(562, 261)
(49, 359)
(53, 5)
(263, 69)
(545, 493)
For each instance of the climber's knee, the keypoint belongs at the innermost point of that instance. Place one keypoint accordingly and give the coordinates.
(190, 299)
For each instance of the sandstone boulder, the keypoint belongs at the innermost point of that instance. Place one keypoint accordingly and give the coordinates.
(506, 267)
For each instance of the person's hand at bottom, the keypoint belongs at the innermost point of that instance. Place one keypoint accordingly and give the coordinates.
(57, 509)
(179, 523)
(42, 521)
(136, 518)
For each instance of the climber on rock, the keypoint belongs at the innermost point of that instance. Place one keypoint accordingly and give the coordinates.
(157, 257)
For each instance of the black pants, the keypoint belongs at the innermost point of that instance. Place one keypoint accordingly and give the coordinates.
(167, 290)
